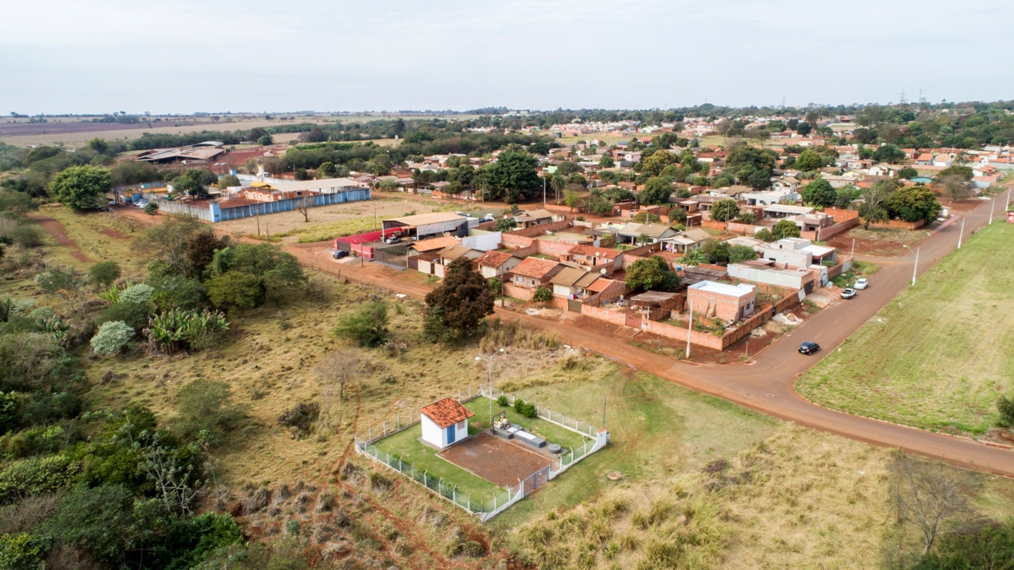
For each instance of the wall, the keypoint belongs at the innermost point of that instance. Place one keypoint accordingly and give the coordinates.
(614, 317)
(747, 273)
(733, 227)
(512, 290)
(840, 215)
(483, 242)
(220, 214)
(613, 291)
(432, 433)
(899, 225)
(725, 307)
(536, 231)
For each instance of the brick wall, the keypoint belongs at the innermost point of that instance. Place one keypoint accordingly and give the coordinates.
(557, 249)
(536, 231)
(824, 234)
(733, 227)
(899, 225)
(614, 317)
(613, 291)
(840, 215)
(513, 240)
(512, 290)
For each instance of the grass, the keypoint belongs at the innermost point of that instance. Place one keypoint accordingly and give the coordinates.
(549, 431)
(405, 444)
(934, 357)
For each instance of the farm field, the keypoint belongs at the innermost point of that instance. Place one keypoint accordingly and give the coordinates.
(933, 358)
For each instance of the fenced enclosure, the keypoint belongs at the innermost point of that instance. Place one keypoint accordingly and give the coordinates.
(489, 504)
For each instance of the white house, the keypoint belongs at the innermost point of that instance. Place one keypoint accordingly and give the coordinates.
(444, 422)
(943, 160)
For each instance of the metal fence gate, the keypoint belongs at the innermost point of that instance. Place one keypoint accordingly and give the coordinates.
(574, 306)
(536, 480)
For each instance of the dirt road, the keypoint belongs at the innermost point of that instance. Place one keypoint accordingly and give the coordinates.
(766, 384)
(59, 233)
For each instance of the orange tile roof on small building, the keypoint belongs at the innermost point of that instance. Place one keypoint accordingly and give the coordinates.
(493, 259)
(605, 252)
(534, 267)
(434, 244)
(446, 412)
(599, 285)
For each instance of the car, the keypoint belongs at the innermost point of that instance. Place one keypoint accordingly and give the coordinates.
(393, 239)
(489, 218)
(861, 283)
(340, 254)
(848, 293)
(808, 348)
(141, 203)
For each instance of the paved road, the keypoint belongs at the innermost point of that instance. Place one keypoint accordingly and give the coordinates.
(766, 384)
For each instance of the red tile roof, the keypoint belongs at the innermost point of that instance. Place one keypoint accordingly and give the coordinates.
(494, 259)
(592, 250)
(534, 267)
(434, 244)
(446, 412)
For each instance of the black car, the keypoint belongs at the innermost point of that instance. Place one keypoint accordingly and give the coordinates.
(340, 254)
(808, 348)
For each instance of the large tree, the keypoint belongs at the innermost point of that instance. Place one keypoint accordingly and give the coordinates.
(656, 191)
(819, 193)
(194, 182)
(873, 209)
(654, 165)
(652, 273)
(513, 176)
(751, 166)
(724, 210)
(463, 300)
(809, 160)
(82, 187)
(913, 203)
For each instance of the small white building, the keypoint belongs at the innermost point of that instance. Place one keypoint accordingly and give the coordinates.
(444, 422)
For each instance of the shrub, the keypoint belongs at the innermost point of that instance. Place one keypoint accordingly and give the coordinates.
(104, 274)
(112, 337)
(22, 551)
(134, 315)
(178, 292)
(1005, 406)
(138, 293)
(543, 295)
(235, 290)
(525, 409)
(494, 285)
(178, 329)
(301, 417)
(33, 476)
(205, 405)
(27, 236)
(367, 326)
(502, 401)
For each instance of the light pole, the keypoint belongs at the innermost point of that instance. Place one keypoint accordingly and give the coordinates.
(916, 266)
(961, 232)
(479, 359)
(992, 206)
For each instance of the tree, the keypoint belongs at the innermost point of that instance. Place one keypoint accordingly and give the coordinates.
(201, 248)
(844, 196)
(986, 546)
(955, 187)
(677, 216)
(104, 274)
(724, 210)
(809, 160)
(18, 202)
(739, 253)
(235, 290)
(865, 135)
(463, 299)
(506, 224)
(167, 242)
(64, 281)
(751, 166)
(513, 176)
(784, 229)
(873, 208)
(82, 187)
(656, 163)
(151, 208)
(326, 170)
(303, 206)
(572, 199)
(803, 128)
(908, 173)
(819, 193)
(652, 273)
(194, 182)
(205, 405)
(913, 203)
(338, 369)
(228, 181)
(315, 135)
(929, 496)
(367, 326)
(1005, 406)
(656, 191)
(606, 162)
(889, 153)
(112, 337)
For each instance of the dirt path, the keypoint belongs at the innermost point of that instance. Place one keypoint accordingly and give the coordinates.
(59, 233)
(765, 384)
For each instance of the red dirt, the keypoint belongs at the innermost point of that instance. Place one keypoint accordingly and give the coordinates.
(498, 461)
(115, 234)
(56, 229)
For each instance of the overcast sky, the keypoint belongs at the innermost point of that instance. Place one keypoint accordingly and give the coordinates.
(90, 56)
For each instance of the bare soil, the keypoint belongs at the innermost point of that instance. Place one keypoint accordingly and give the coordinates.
(879, 242)
(56, 229)
(495, 460)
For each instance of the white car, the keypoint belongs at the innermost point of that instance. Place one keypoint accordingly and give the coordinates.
(861, 283)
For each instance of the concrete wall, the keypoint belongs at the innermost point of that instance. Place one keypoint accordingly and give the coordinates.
(432, 434)
(512, 290)
(483, 242)
(747, 273)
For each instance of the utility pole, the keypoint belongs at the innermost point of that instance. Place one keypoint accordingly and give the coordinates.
(603, 412)
(852, 255)
(490, 368)
(916, 266)
(543, 191)
(961, 232)
(992, 205)
(690, 327)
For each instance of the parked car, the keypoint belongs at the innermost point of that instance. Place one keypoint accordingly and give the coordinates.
(340, 254)
(141, 203)
(861, 283)
(393, 239)
(489, 218)
(808, 348)
(848, 293)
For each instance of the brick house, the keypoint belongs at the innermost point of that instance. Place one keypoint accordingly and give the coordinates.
(496, 263)
(533, 272)
(721, 300)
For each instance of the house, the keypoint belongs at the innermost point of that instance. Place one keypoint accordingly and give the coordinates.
(595, 258)
(734, 192)
(631, 232)
(530, 218)
(496, 263)
(444, 422)
(571, 282)
(784, 185)
(685, 241)
(764, 271)
(885, 170)
(755, 244)
(770, 197)
(924, 159)
(533, 272)
(785, 210)
(942, 160)
(721, 300)
(431, 245)
(797, 252)
(455, 252)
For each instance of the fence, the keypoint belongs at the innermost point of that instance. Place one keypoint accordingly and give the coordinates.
(485, 507)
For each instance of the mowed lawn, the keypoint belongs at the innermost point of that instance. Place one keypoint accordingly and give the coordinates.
(937, 356)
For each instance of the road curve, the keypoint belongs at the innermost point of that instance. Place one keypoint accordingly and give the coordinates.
(766, 384)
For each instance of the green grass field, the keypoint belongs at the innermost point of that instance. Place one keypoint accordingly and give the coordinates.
(551, 432)
(405, 444)
(938, 356)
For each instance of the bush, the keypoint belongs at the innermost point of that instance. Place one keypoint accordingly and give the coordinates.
(134, 315)
(525, 409)
(1005, 406)
(178, 292)
(301, 417)
(138, 293)
(22, 551)
(367, 327)
(205, 405)
(27, 236)
(104, 274)
(179, 329)
(543, 295)
(235, 290)
(112, 337)
(502, 401)
(495, 285)
(34, 476)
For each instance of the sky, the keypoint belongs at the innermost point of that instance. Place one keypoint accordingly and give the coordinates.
(183, 56)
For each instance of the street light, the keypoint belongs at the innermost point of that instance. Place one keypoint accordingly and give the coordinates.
(479, 359)
(916, 266)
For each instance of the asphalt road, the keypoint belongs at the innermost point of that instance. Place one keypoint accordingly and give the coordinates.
(766, 383)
